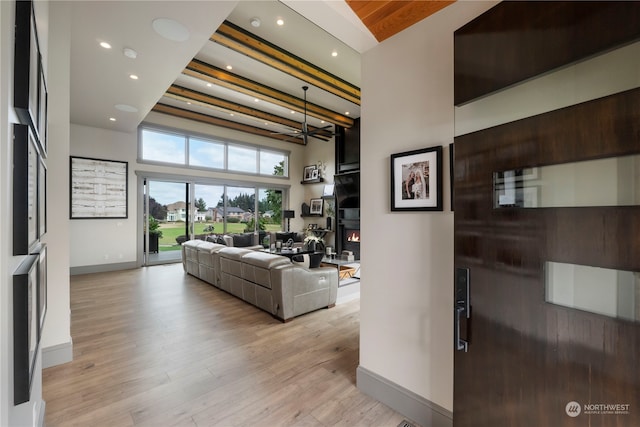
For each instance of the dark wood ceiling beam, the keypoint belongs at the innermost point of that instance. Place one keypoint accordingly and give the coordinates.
(209, 73)
(239, 40)
(203, 118)
(188, 95)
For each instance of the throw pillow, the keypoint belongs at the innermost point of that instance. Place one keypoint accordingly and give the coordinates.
(242, 240)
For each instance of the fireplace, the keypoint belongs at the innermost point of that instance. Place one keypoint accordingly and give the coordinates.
(351, 240)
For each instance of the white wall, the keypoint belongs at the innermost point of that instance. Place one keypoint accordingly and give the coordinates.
(57, 330)
(407, 258)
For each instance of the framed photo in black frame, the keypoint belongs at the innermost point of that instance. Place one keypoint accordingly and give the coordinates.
(43, 97)
(308, 173)
(25, 190)
(41, 251)
(42, 197)
(26, 65)
(25, 327)
(416, 180)
(316, 206)
(98, 188)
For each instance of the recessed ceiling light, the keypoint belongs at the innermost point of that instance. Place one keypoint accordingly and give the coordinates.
(346, 113)
(322, 121)
(229, 67)
(126, 108)
(255, 22)
(133, 77)
(113, 119)
(105, 45)
(129, 53)
(209, 85)
(293, 112)
(170, 29)
(334, 53)
(231, 114)
(280, 22)
(256, 100)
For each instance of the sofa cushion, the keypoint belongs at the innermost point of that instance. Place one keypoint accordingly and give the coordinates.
(206, 251)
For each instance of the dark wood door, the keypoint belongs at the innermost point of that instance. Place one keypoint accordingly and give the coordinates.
(530, 362)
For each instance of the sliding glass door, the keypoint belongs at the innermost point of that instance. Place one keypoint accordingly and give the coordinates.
(168, 223)
(180, 210)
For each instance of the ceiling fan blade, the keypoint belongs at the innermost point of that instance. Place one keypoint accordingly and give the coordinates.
(293, 133)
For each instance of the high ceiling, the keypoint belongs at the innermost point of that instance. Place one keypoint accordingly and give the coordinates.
(228, 63)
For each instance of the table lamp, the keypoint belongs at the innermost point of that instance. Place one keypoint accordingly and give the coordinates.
(288, 215)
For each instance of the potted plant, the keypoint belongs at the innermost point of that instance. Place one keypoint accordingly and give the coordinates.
(313, 243)
(154, 234)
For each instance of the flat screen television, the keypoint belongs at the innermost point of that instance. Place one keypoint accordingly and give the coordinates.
(347, 189)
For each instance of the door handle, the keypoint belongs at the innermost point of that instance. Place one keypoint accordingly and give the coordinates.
(461, 345)
(461, 306)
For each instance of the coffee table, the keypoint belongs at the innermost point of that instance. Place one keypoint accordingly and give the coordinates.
(345, 270)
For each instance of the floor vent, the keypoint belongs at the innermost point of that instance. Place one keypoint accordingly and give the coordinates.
(405, 423)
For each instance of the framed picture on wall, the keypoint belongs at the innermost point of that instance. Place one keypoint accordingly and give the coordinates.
(25, 189)
(26, 73)
(316, 206)
(416, 180)
(98, 188)
(25, 327)
(309, 172)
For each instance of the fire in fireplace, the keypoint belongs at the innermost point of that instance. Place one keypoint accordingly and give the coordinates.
(353, 236)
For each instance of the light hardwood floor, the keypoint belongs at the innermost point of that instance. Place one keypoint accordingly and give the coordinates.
(156, 347)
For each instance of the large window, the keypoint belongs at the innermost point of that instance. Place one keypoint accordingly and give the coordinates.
(163, 146)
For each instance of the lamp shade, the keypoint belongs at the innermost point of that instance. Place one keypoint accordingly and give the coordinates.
(288, 214)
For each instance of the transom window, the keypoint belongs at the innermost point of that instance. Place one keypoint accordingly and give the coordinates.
(163, 146)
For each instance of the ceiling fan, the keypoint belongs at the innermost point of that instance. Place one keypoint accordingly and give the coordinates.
(306, 133)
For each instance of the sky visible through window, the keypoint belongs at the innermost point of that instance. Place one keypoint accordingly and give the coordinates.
(163, 147)
(168, 147)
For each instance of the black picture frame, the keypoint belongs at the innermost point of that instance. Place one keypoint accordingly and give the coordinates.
(43, 98)
(41, 251)
(25, 190)
(42, 197)
(98, 188)
(26, 65)
(25, 327)
(423, 193)
(316, 206)
(308, 173)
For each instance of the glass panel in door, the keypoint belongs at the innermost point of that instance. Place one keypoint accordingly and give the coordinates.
(207, 215)
(168, 223)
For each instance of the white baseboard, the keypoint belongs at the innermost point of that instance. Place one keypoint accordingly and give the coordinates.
(409, 404)
(57, 354)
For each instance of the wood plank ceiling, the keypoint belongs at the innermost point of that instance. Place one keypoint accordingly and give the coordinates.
(383, 18)
(387, 18)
